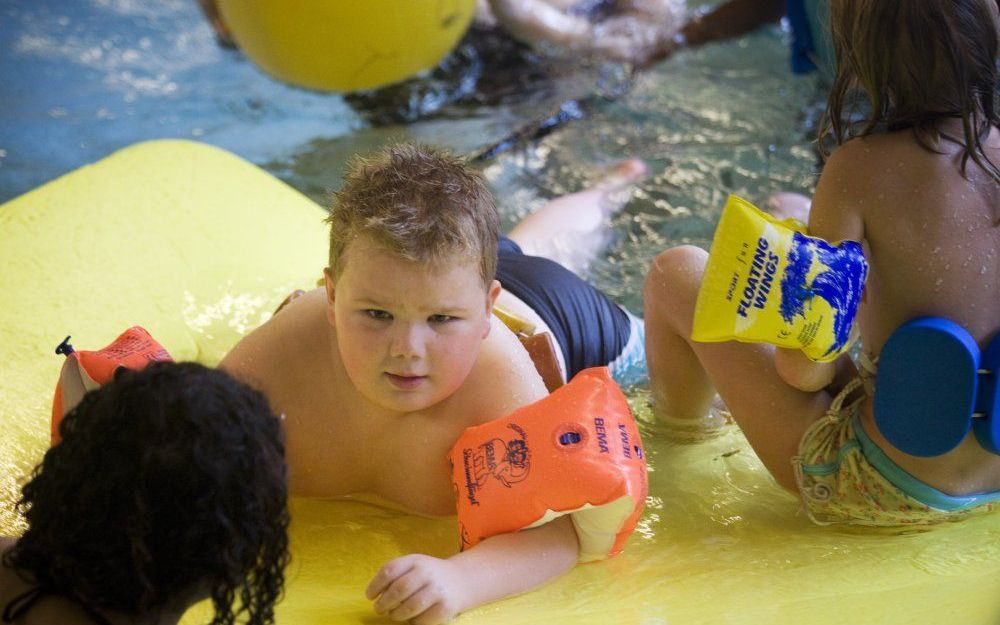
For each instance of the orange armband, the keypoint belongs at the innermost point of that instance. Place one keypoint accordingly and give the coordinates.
(83, 371)
(576, 451)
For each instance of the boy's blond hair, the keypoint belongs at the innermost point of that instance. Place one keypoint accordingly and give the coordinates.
(418, 202)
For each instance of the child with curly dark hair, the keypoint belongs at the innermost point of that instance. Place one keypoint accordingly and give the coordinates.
(168, 487)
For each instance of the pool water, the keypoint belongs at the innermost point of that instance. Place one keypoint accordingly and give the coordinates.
(719, 541)
(82, 78)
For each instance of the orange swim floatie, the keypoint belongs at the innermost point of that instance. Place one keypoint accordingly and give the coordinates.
(84, 371)
(576, 452)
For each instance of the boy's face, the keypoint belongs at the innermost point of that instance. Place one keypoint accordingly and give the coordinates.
(408, 334)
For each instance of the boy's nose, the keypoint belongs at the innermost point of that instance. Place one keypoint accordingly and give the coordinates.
(407, 342)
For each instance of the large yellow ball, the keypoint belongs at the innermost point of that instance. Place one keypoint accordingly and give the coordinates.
(346, 45)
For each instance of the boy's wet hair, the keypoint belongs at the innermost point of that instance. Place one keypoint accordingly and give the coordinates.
(418, 202)
(168, 486)
(917, 62)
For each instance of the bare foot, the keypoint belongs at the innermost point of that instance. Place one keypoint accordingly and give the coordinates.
(617, 186)
(626, 172)
(697, 430)
(573, 229)
(694, 430)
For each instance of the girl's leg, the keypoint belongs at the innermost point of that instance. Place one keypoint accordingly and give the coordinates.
(684, 374)
(573, 229)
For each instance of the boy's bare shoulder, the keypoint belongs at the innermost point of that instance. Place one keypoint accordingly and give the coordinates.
(503, 378)
(269, 357)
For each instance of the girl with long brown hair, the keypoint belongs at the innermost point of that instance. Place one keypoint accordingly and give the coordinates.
(914, 176)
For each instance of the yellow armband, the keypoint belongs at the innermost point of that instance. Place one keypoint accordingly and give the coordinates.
(768, 281)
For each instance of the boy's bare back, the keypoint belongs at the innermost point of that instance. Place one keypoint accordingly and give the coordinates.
(933, 244)
(338, 443)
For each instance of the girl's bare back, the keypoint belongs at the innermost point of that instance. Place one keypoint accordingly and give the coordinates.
(933, 242)
(933, 236)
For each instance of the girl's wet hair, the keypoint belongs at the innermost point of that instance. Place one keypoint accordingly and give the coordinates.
(168, 486)
(917, 62)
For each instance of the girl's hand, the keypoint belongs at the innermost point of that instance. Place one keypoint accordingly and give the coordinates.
(420, 588)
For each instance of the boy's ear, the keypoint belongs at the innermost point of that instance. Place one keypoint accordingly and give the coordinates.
(491, 298)
(330, 294)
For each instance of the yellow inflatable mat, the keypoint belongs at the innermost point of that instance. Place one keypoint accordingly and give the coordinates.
(198, 246)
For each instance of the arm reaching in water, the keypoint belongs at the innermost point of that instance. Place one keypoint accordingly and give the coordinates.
(631, 34)
(727, 20)
(428, 590)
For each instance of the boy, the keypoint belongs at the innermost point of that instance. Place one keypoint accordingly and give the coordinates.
(379, 373)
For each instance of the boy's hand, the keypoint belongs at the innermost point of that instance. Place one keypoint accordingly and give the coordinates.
(425, 589)
(428, 591)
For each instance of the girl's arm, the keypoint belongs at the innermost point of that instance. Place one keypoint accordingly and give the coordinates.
(428, 590)
(835, 216)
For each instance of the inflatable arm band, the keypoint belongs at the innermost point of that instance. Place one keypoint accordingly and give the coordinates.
(85, 371)
(768, 281)
(576, 451)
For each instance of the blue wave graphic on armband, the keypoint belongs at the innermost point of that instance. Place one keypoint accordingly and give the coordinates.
(794, 291)
(841, 285)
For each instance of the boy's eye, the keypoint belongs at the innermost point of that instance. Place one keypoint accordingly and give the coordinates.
(379, 315)
(441, 318)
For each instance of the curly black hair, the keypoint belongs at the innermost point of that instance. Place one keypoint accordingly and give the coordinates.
(169, 483)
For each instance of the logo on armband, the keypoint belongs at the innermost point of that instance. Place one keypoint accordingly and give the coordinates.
(507, 461)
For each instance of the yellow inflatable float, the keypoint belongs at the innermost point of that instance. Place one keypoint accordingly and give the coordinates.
(346, 45)
(199, 246)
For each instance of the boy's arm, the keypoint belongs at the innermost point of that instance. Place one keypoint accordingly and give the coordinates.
(835, 216)
(432, 590)
(247, 361)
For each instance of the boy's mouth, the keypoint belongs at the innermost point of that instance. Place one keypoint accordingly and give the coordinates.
(405, 382)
